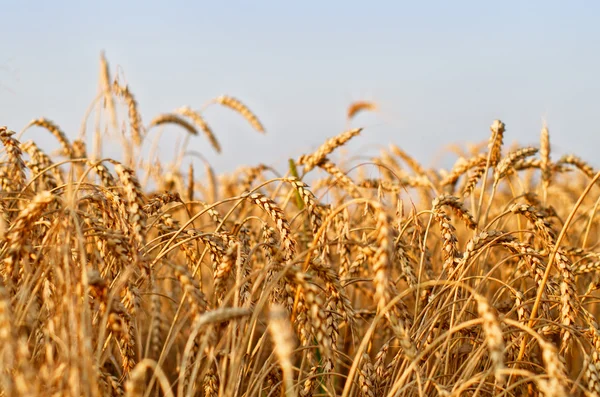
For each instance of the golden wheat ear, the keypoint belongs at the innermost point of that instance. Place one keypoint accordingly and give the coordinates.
(105, 87)
(171, 118)
(67, 148)
(199, 122)
(135, 120)
(358, 107)
(238, 106)
(311, 161)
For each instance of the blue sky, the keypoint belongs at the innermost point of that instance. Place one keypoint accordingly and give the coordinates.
(441, 71)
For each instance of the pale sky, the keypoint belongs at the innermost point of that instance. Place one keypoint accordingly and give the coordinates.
(441, 71)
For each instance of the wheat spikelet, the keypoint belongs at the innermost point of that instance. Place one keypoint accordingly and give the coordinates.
(242, 109)
(366, 377)
(17, 243)
(135, 385)
(120, 325)
(539, 220)
(57, 132)
(109, 384)
(578, 163)
(493, 336)
(106, 177)
(13, 174)
(569, 300)
(211, 384)
(384, 289)
(533, 163)
(38, 165)
(311, 161)
(198, 120)
(195, 296)
(344, 180)
(478, 170)
(310, 383)
(360, 106)
(584, 268)
(310, 203)
(283, 339)
(593, 377)
(458, 207)
(155, 203)
(459, 168)
(555, 369)
(135, 198)
(79, 151)
(171, 118)
(278, 217)
(191, 187)
(505, 165)
(592, 360)
(450, 248)
(481, 239)
(223, 271)
(380, 365)
(412, 163)
(318, 319)
(135, 121)
(252, 174)
(106, 89)
(408, 270)
(545, 163)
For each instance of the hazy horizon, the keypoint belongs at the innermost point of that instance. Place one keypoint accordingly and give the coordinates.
(440, 72)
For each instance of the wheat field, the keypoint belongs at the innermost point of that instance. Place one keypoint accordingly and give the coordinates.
(130, 277)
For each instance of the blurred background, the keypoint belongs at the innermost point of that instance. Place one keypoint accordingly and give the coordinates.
(439, 71)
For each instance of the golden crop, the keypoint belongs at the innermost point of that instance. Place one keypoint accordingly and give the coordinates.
(478, 280)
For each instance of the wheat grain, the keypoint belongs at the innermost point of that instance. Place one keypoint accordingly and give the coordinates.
(495, 143)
